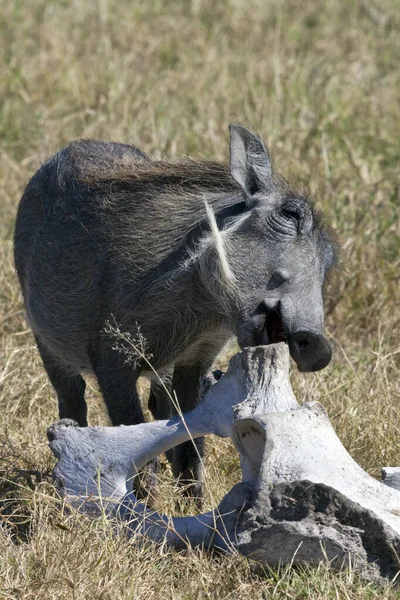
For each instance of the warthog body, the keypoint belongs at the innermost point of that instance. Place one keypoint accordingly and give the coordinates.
(189, 252)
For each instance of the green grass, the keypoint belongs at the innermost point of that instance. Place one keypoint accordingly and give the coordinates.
(321, 83)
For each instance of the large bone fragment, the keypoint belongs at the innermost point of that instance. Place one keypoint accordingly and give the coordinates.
(301, 444)
(302, 497)
(111, 456)
(312, 499)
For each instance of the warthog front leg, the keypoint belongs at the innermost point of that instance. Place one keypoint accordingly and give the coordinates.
(117, 380)
(186, 459)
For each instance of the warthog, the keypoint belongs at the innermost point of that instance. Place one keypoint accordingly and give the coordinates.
(189, 252)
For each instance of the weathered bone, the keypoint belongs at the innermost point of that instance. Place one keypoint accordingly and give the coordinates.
(302, 496)
(115, 454)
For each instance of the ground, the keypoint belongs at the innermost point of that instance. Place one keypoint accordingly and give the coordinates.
(320, 82)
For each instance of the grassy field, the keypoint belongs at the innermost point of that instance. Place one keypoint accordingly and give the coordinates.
(321, 83)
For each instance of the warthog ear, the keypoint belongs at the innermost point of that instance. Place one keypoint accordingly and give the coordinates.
(249, 160)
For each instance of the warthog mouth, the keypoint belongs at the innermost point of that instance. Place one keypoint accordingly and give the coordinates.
(273, 331)
(309, 349)
(263, 327)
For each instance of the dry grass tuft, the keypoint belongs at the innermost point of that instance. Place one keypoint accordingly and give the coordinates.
(322, 83)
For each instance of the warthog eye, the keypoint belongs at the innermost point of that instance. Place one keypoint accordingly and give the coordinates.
(292, 211)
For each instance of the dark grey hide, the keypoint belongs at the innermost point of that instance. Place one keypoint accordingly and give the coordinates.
(190, 252)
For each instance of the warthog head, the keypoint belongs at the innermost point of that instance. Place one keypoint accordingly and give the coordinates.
(275, 256)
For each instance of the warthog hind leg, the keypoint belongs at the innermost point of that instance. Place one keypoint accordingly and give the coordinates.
(70, 387)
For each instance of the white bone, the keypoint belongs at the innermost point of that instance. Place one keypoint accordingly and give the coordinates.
(113, 455)
(301, 444)
(302, 496)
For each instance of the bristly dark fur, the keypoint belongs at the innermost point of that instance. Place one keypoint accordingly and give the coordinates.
(119, 170)
(91, 156)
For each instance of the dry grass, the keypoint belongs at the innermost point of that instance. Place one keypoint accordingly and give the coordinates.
(322, 82)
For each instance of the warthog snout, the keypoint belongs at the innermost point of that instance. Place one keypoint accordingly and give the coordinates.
(311, 351)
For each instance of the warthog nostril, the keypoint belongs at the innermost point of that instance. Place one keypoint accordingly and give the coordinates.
(303, 344)
(310, 350)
